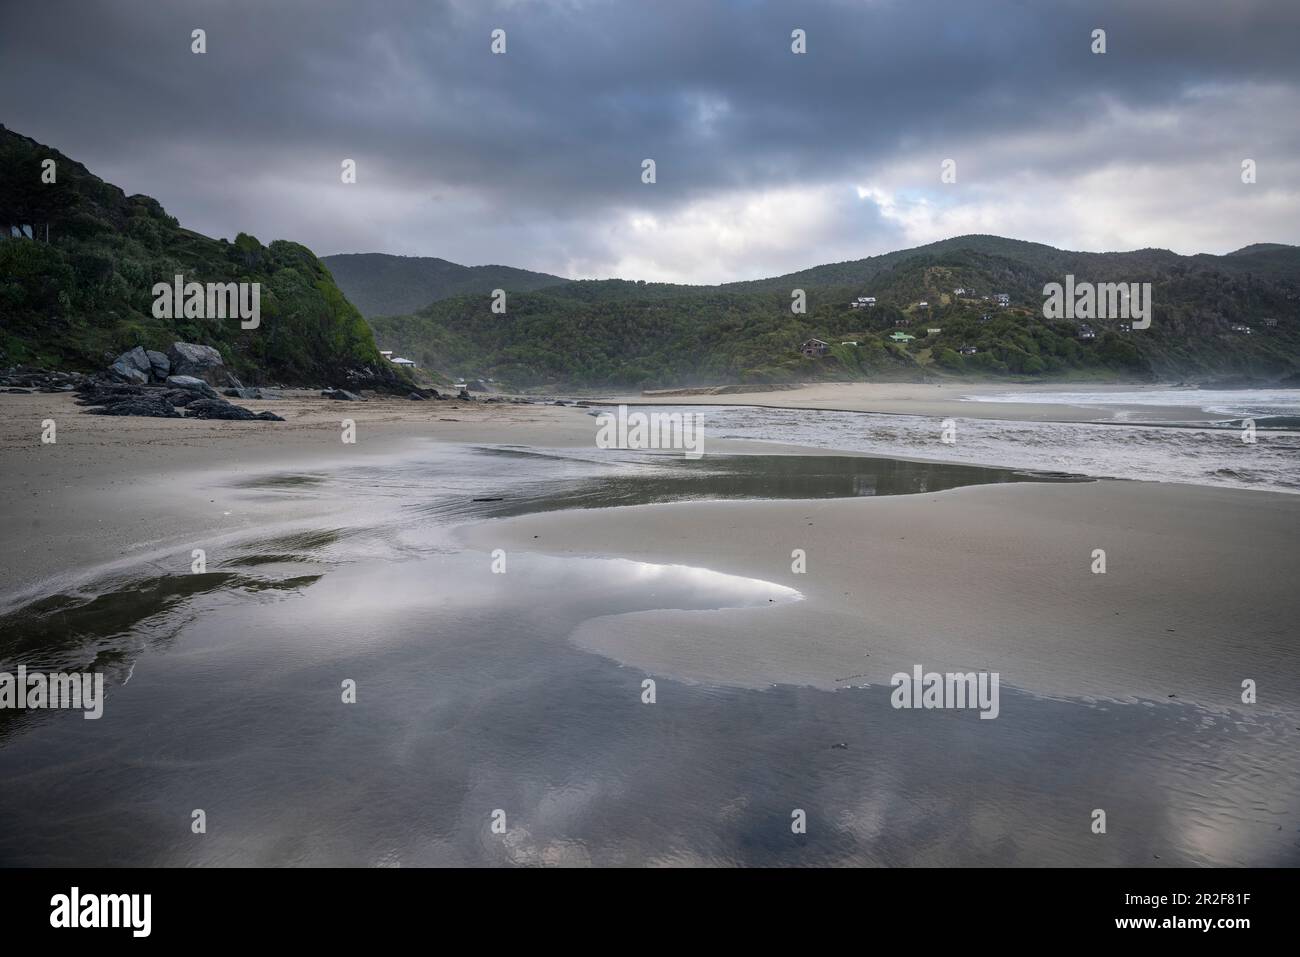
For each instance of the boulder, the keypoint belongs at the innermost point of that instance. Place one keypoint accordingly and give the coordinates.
(415, 397)
(192, 384)
(201, 362)
(159, 364)
(135, 358)
(128, 373)
(243, 393)
(343, 395)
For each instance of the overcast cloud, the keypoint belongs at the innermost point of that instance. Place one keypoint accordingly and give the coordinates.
(767, 161)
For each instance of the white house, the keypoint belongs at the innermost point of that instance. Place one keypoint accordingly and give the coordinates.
(399, 361)
(1003, 299)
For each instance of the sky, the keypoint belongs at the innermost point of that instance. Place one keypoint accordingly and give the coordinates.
(766, 160)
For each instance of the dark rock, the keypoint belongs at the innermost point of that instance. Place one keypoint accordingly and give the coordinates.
(244, 393)
(221, 409)
(415, 397)
(159, 365)
(154, 406)
(182, 397)
(343, 395)
(19, 391)
(464, 395)
(201, 362)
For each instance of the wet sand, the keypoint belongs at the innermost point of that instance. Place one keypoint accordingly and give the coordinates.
(942, 400)
(522, 690)
(1196, 597)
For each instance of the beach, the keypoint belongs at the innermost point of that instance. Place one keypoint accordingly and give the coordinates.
(523, 690)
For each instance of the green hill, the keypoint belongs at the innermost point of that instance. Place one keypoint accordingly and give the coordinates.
(621, 333)
(383, 285)
(85, 295)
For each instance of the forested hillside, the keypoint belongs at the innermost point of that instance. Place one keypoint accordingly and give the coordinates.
(76, 285)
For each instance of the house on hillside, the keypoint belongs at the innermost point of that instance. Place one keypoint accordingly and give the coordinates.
(901, 337)
(961, 291)
(933, 332)
(922, 305)
(1270, 323)
(1124, 326)
(814, 348)
(849, 342)
(1241, 327)
(863, 301)
(1087, 332)
(968, 350)
(902, 322)
(399, 361)
(985, 318)
(1003, 299)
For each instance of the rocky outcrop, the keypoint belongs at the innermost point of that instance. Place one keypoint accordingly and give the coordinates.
(343, 395)
(196, 398)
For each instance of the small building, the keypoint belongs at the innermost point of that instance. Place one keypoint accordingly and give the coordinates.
(933, 332)
(902, 322)
(1124, 326)
(1003, 299)
(1241, 327)
(399, 361)
(901, 337)
(968, 350)
(863, 301)
(386, 353)
(985, 318)
(922, 305)
(814, 348)
(849, 342)
(961, 291)
(1271, 323)
(1087, 332)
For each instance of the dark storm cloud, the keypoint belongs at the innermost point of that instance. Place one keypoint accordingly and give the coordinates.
(533, 157)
